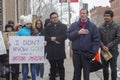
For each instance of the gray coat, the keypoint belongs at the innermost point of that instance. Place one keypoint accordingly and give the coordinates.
(110, 35)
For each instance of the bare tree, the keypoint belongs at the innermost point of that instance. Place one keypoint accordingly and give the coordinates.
(43, 8)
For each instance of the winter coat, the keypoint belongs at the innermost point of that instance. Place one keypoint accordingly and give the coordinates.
(24, 32)
(84, 43)
(4, 59)
(56, 51)
(110, 37)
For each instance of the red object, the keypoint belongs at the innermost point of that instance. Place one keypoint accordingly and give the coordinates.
(62, 1)
(73, 0)
(97, 56)
(83, 24)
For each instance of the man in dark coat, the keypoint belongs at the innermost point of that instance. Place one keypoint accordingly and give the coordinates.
(55, 34)
(85, 44)
(110, 37)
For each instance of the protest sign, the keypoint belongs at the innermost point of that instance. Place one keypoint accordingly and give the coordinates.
(2, 45)
(6, 38)
(25, 49)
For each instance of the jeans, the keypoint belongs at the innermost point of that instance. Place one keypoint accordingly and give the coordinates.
(40, 69)
(25, 71)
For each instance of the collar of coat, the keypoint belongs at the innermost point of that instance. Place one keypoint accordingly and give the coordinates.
(87, 22)
(110, 24)
(58, 23)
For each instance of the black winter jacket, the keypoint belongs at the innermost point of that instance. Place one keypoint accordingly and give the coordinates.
(56, 51)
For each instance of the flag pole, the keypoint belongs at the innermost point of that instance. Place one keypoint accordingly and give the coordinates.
(69, 14)
(61, 10)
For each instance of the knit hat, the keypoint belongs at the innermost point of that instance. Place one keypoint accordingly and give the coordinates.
(27, 20)
(8, 26)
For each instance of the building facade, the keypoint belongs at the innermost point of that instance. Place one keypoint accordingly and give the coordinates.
(115, 6)
(96, 15)
(12, 9)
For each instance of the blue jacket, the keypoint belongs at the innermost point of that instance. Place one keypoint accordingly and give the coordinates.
(24, 32)
(84, 42)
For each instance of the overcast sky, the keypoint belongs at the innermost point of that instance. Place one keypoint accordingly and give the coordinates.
(93, 3)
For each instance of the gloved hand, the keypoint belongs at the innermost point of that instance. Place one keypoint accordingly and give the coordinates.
(89, 56)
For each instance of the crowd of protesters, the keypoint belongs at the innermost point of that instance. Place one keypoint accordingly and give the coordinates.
(86, 40)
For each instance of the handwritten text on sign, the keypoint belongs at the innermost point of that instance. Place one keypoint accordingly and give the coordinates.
(26, 49)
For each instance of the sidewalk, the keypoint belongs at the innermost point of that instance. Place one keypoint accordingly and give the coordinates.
(98, 75)
(68, 72)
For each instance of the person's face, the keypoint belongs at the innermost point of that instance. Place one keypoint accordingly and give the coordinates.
(19, 27)
(38, 24)
(107, 17)
(83, 14)
(28, 25)
(54, 18)
(9, 29)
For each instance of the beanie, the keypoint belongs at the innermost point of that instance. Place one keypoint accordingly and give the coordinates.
(8, 26)
(27, 20)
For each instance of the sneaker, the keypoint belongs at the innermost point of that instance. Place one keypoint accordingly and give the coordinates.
(28, 77)
(49, 74)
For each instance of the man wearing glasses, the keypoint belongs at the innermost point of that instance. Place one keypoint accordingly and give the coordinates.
(55, 35)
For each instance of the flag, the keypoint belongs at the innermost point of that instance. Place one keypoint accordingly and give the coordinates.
(73, 0)
(62, 1)
(97, 56)
(96, 63)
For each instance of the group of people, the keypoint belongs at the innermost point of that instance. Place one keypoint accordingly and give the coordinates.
(24, 29)
(86, 40)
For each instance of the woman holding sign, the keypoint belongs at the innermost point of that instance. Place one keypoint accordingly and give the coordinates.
(27, 30)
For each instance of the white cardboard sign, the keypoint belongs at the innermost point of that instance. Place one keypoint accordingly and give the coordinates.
(2, 45)
(26, 49)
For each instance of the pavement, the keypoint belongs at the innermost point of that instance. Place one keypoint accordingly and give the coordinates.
(68, 72)
(69, 69)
